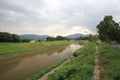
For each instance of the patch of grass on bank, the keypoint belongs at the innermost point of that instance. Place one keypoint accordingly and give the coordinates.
(80, 67)
(10, 48)
(43, 72)
(83, 42)
(110, 58)
(86, 49)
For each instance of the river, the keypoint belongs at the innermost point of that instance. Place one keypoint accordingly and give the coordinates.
(18, 67)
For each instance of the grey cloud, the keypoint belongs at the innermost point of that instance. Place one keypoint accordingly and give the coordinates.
(70, 13)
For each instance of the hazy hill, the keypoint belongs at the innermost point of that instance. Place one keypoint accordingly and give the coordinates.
(33, 36)
(72, 36)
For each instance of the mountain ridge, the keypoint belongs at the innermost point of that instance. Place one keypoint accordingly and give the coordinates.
(33, 36)
(76, 35)
(36, 36)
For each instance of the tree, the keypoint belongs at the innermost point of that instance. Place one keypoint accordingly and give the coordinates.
(61, 38)
(83, 38)
(15, 38)
(108, 29)
(57, 38)
(7, 37)
(25, 40)
(50, 39)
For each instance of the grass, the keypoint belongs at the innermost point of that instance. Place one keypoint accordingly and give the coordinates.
(43, 72)
(110, 58)
(12, 48)
(80, 67)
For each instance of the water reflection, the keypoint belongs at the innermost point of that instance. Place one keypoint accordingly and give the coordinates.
(19, 67)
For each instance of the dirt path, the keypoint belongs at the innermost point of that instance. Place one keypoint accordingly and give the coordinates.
(98, 70)
(52, 71)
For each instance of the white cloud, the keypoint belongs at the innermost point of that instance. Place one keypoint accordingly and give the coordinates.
(79, 29)
(54, 30)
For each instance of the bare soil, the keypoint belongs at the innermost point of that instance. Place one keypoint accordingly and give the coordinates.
(98, 70)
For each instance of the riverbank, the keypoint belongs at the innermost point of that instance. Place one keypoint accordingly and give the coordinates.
(19, 48)
(110, 61)
(19, 67)
(79, 68)
(92, 62)
(43, 72)
(73, 67)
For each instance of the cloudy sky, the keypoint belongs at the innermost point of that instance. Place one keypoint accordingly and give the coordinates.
(55, 17)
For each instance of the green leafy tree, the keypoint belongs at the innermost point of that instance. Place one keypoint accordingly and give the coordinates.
(50, 39)
(26, 40)
(108, 29)
(61, 38)
(15, 38)
(7, 37)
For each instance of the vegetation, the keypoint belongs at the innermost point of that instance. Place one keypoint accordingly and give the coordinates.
(90, 38)
(10, 48)
(43, 72)
(109, 30)
(61, 38)
(110, 60)
(83, 38)
(80, 67)
(26, 40)
(58, 38)
(50, 39)
(7, 37)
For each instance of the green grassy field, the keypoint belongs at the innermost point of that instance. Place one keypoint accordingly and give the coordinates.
(110, 60)
(80, 67)
(12, 48)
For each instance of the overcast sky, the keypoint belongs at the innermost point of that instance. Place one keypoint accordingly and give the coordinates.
(55, 17)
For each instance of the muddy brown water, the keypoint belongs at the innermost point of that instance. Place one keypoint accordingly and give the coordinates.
(18, 67)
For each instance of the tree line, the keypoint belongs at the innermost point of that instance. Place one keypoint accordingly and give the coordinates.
(89, 37)
(56, 38)
(7, 37)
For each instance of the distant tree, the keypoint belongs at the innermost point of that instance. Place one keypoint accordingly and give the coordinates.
(109, 30)
(39, 40)
(92, 37)
(7, 37)
(83, 38)
(26, 40)
(15, 38)
(57, 38)
(50, 39)
(61, 38)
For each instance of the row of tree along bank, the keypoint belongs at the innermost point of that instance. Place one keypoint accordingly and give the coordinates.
(8, 37)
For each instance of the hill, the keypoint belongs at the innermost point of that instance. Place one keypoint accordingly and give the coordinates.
(33, 36)
(73, 36)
